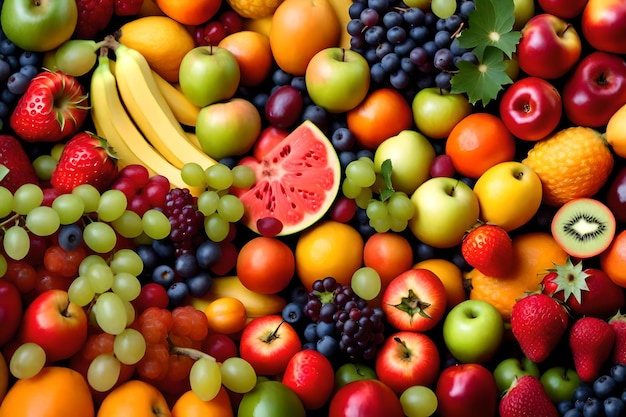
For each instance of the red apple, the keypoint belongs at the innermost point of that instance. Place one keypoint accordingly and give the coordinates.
(10, 311)
(467, 390)
(616, 195)
(268, 343)
(364, 398)
(56, 324)
(531, 108)
(549, 47)
(603, 25)
(595, 90)
(407, 358)
(311, 376)
(565, 9)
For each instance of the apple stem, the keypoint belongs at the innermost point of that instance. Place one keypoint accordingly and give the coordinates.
(190, 352)
(569, 25)
(406, 354)
(274, 334)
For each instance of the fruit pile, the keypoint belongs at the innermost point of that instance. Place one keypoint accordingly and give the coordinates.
(294, 208)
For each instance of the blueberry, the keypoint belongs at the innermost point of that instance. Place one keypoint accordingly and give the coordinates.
(4, 110)
(317, 115)
(280, 77)
(29, 58)
(623, 396)
(564, 406)
(583, 392)
(177, 293)
(7, 96)
(325, 329)
(574, 412)
(613, 407)
(299, 294)
(604, 386)
(593, 408)
(29, 71)
(186, 265)
(199, 284)
(309, 346)
(310, 332)
(327, 346)
(208, 253)
(70, 237)
(618, 372)
(164, 275)
(5, 70)
(148, 256)
(345, 157)
(7, 47)
(299, 83)
(164, 248)
(17, 83)
(292, 313)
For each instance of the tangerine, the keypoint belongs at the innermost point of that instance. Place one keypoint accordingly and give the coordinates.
(613, 259)
(478, 142)
(383, 113)
(389, 254)
(253, 53)
(226, 315)
(189, 12)
(135, 398)
(450, 275)
(265, 265)
(189, 405)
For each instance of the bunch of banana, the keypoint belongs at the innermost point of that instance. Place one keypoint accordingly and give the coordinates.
(113, 123)
(184, 110)
(257, 305)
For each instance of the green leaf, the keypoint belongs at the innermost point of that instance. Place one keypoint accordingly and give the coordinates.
(4, 171)
(482, 81)
(385, 172)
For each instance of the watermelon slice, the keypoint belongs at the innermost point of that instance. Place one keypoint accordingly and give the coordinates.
(297, 181)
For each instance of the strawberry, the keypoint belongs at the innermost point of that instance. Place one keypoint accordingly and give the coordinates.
(587, 292)
(93, 16)
(85, 159)
(488, 248)
(527, 397)
(127, 7)
(591, 342)
(618, 323)
(15, 166)
(53, 107)
(538, 322)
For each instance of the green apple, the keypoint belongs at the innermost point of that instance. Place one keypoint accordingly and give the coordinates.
(228, 128)
(350, 371)
(560, 383)
(508, 369)
(270, 399)
(437, 111)
(38, 26)
(523, 10)
(337, 79)
(411, 155)
(445, 208)
(473, 331)
(209, 74)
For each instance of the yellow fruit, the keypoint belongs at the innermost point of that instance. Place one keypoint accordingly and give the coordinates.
(254, 9)
(161, 40)
(572, 163)
(616, 132)
(261, 25)
(450, 275)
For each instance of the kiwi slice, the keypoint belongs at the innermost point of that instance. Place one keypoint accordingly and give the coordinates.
(583, 227)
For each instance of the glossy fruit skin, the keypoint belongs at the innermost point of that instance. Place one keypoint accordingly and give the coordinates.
(365, 398)
(616, 195)
(436, 111)
(265, 265)
(489, 249)
(508, 369)
(10, 311)
(284, 107)
(527, 397)
(268, 138)
(253, 53)
(14, 157)
(603, 25)
(559, 383)
(270, 398)
(389, 254)
(189, 405)
(565, 9)
(350, 372)
(226, 315)
(137, 398)
(311, 376)
(466, 390)
(591, 341)
(595, 90)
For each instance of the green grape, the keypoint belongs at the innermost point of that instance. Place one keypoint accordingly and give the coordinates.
(366, 283)
(364, 198)
(103, 372)
(230, 208)
(57, 150)
(376, 209)
(205, 378)
(44, 165)
(43, 221)
(4, 266)
(218, 177)
(6, 202)
(216, 227)
(111, 313)
(70, 208)
(130, 312)
(80, 291)
(100, 277)
(243, 176)
(129, 346)
(27, 360)
(16, 242)
(238, 375)
(99, 237)
(76, 57)
(443, 9)
(156, 224)
(193, 174)
(111, 205)
(418, 401)
(90, 196)
(349, 188)
(26, 198)
(126, 285)
(361, 173)
(398, 225)
(128, 225)
(89, 260)
(400, 206)
(207, 202)
(381, 225)
(126, 260)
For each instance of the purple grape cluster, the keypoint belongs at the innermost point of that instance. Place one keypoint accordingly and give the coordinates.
(186, 221)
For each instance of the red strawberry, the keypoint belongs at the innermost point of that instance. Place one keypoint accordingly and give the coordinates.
(591, 342)
(618, 323)
(527, 397)
(53, 107)
(15, 166)
(86, 159)
(538, 322)
(93, 16)
(587, 292)
(489, 249)
(127, 7)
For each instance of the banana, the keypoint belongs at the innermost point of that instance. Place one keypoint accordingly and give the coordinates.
(193, 139)
(149, 110)
(184, 110)
(257, 305)
(113, 123)
(341, 10)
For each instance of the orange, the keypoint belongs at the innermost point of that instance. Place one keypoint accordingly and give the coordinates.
(226, 315)
(534, 254)
(383, 113)
(478, 142)
(161, 40)
(389, 254)
(189, 405)
(47, 395)
(327, 249)
(189, 12)
(265, 265)
(616, 132)
(450, 275)
(134, 398)
(253, 53)
(254, 9)
(613, 259)
(299, 30)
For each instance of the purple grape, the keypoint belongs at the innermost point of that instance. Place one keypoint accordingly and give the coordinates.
(369, 17)
(284, 106)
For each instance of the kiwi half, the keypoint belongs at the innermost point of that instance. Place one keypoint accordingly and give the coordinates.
(583, 227)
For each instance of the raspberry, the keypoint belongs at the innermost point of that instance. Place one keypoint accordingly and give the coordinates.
(155, 361)
(186, 221)
(93, 16)
(155, 323)
(127, 7)
(63, 262)
(190, 322)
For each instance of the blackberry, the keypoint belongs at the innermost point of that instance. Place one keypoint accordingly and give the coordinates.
(185, 219)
